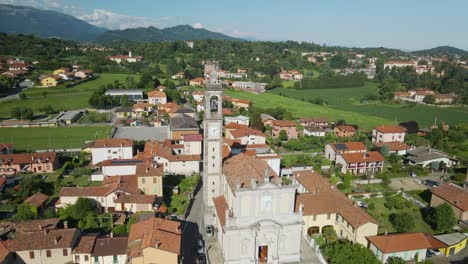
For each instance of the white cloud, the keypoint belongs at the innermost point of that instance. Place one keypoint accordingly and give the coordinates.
(198, 25)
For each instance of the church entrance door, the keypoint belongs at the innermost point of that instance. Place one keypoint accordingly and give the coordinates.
(263, 254)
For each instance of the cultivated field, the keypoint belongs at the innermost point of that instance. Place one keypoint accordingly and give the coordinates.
(27, 139)
(62, 98)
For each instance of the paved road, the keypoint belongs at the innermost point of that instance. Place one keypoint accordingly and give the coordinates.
(191, 228)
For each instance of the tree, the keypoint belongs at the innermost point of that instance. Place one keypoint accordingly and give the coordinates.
(441, 218)
(385, 150)
(459, 177)
(20, 113)
(82, 207)
(387, 89)
(329, 234)
(429, 99)
(395, 260)
(402, 222)
(347, 252)
(26, 212)
(5, 83)
(23, 96)
(283, 135)
(146, 80)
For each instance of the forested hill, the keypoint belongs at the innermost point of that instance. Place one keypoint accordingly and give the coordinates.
(152, 34)
(442, 50)
(44, 23)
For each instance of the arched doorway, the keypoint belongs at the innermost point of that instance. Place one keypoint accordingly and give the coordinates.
(214, 103)
(313, 230)
(327, 227)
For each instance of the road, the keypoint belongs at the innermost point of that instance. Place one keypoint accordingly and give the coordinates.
(191, 228)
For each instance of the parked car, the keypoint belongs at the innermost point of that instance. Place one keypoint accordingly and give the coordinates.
(413, 174)
(362, 204)
(209, 231)
(200, 247)
(433, 252)
(201, 259)
(431, 183)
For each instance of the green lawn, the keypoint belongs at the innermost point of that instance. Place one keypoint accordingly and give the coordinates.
(288, 84)
(382, 213)
(299, 108)
(28, 139)
(62, 98)
(81, 181)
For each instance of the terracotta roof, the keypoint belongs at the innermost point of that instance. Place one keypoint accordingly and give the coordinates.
(144, 170)
(156, 93)
(37, 199)
(122, 162)
(85, 191)
(284, 123)
(394, 146)
(348, 146)
(40, 240)
(112, 143)
(155, 148)
(155, 232)
(435, 244)
(221, 207)
(28, 158)
(362, 157)
(245, 132)
(226, 151)
(395, 243)
(346, 128)
(5, 145)
(110, 246)
(136, 199)
(85, 244)
(198, 79)
(313, 119)
(235, 126)
(125, 183)
(198, 93)
(453, 194)
(227, 111)
(443, 96)
(192, 137)
(240, 170)
(33, 225)
(391, 129)
(4, 251)
(311, 180)
(141, 106)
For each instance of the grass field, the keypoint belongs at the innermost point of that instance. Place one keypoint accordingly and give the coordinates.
(62, 98)
(348, 100)
(27, 139)
(299, 108)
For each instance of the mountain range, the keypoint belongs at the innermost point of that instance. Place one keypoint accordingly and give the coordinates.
(45, 23)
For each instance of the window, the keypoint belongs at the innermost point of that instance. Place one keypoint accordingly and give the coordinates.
(65, 252)
(96, 259)
(115, 259)
(315, 218)
(142, 180)
(31, 254)
(86, 258)
(77, 259)
(48, 253)
(337, 217)
(154, 180)
(328, 216)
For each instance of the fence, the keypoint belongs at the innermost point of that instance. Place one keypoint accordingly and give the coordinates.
(58, 150)
(316, 248)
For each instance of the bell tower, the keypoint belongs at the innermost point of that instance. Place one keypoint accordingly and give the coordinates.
(213, 140)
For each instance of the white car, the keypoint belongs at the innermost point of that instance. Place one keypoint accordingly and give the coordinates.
(209, 231)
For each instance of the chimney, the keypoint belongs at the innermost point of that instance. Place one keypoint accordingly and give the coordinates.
(111, 235)
(147, 169)
(65, 224)
(157, 243)
(253, 183)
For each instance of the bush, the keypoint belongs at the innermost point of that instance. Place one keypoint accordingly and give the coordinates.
(402, 222)
(341, 186)
(371, 206)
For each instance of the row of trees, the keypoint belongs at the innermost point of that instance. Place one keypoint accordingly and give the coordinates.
(331, 79)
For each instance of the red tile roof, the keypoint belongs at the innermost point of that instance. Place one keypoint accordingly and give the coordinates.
(221, 207)
(28, 158)
(313, 119)
(37, 199)
(362, 157)
(453, 194)
(235, 126)
(350, 146)
(394, 146)
(192, 137)
(85, 191)
(346, 128)
(395, 243)
(85, 244)
(284, 123)
(156, 93)
(40, 240)
(245, 132)
(110, 246)
(391, 129)
(112, 143)
(136, 199)
(4, 251)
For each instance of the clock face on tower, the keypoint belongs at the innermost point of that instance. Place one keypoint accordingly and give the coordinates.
(213, 132)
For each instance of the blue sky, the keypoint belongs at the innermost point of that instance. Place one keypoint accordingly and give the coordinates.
(404, 24)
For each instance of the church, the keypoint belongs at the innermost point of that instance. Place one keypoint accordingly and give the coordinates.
(246, 201)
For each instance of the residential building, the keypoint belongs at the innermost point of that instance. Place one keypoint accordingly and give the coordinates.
(267, 120)
(11, 164)
(142, 109)
(314, 131)
(398, 148)
(199, 81)
(192, 144)
(83, 250)
(291, 75)
(333, 150)
(155, 241)
(284, 125)
(252, 87)
(253, 195)
(182, 124)
(368, 163)
(321, 122)
(186, 111)
(6, 256)
(384, 134)
(109, 250)
(238, 103)
(124, 112)
(50, 81)
(426, 156)
(344, 131)
(135, 203)
(112, 148)
(408, 246)
(84, 74)
(45, 246)
(322, 206)
(240, 119)
(445, 98)
(453, 195)
(247, 136)
(61, 70)
(157, 97)
(132, 94)
(399, 64)
(451, 243)
(38, 201)
(125, 58)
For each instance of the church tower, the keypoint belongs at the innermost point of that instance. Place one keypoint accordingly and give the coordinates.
(213, 140)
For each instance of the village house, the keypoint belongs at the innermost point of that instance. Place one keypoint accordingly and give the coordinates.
(254, 195)
(323, 206)
(155, 241)
(19, 66)
(182, 124)
(408, 246)
(61, 70)
(314, 131)
(50, 80)
(108, 250)
(132, 94)
(240, 119)
(11, 164)
(45, 246)
(453, 195)
(333, 150)
(142, 109)
(111, 148)
(157, 97)
(384, 134)
(267, 120)
(291, 75)
(84, 74)
(83, 250)
(429, 157)
(238, 103)
(124, 112)
(445, 98)
(246, 136)
(179, 75)
(125, 58)
(199, 81)
(450, 244)
(168, 108)
(398, 148)
(134, 203)
(344, 131)
(284, 125)
(399, 64)
(368, 163)
(321, 122)
(38, 201)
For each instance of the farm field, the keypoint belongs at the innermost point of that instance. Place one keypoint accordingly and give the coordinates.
(348, 100)
(299, 108)
(27, 139)
(62, 98)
